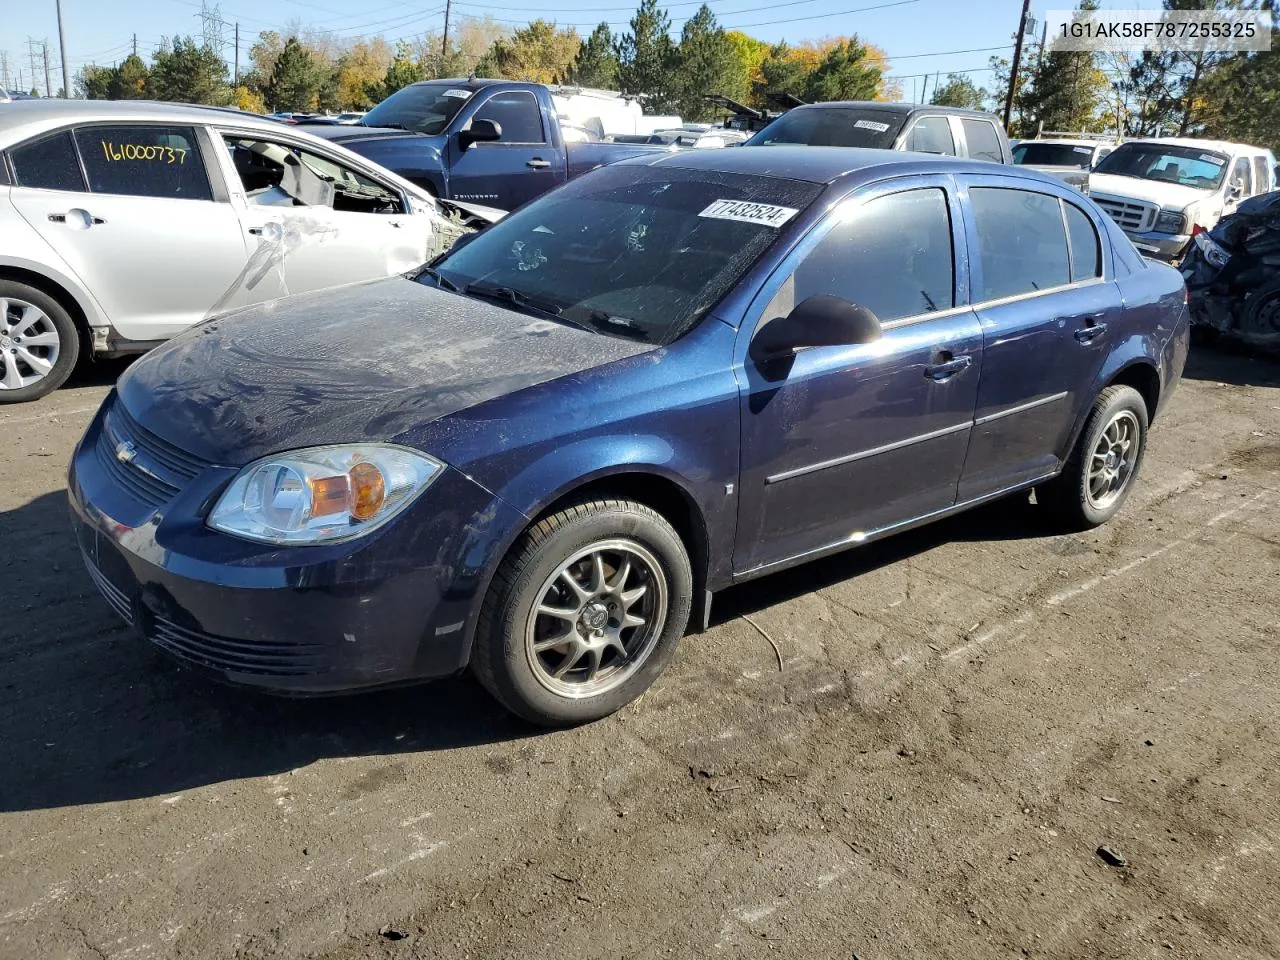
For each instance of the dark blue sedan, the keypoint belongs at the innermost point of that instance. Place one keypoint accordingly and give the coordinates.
(542, 455)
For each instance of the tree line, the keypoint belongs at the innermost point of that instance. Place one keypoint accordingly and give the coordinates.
(304, 70)
(1229, 96)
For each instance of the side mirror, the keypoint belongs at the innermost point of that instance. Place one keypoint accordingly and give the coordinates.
(481, 131)
(1235, 191)
(822, 321)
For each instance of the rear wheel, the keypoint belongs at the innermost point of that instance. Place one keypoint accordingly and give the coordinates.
(39, 343)
(1260, 317)
(584, 613)
(1100, 471)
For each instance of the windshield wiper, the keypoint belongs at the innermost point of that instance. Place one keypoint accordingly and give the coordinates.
(440, 279)
(509, 295)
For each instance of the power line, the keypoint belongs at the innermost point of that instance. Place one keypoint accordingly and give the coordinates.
(735, 26)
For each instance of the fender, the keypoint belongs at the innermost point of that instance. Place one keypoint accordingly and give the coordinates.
(94, 315)
(1136, 351)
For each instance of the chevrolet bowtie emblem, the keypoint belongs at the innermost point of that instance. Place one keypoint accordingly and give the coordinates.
(126, 452)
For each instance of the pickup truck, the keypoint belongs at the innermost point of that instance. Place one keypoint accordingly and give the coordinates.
(492, 142)
(923, 128)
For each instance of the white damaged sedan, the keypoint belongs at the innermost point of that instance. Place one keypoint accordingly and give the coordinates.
(124, 223)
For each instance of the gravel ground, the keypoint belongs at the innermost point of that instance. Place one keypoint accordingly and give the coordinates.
(963, 716)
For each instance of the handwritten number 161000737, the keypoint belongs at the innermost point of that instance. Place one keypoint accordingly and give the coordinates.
(138, 151)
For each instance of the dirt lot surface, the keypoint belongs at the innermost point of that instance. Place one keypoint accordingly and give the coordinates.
(964, 715)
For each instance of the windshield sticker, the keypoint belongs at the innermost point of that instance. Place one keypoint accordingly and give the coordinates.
(1083, 149)
(1210, 158)
(875, 125)
(765, 214)
(461, 94)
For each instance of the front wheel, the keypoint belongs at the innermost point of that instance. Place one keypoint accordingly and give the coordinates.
(584, 613)
(1100, 472)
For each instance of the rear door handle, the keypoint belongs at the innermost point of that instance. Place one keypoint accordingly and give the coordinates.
(948, 368)
(1092, 329)
(538, 163)
(79, 218)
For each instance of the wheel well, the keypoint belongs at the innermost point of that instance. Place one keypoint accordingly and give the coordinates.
(59, 293)
(660, 494)
(1143, 378)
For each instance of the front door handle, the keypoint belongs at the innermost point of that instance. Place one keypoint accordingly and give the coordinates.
(1092, 329)
(538, 163)
(939, 372)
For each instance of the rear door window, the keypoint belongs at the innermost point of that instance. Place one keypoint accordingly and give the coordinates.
(1022, 243)
(49, 163)
(932, 135)
(983, 141)
(144, 161)
(517, 115)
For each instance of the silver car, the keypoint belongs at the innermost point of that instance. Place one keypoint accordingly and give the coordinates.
(124, 223)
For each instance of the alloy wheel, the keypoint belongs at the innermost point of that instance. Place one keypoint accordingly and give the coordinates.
(597, 619)
(29, 344)
(1112, 459)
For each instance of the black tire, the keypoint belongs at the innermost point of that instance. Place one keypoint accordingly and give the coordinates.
(68, 342)
(1068, 494)
(1260, 316)
(502, 658)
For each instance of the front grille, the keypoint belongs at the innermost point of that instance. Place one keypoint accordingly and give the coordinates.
(152, 470)
(114, 596)
(1132, 215)
(277, 659)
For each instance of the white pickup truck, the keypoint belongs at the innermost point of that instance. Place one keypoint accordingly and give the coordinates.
(1164, 191)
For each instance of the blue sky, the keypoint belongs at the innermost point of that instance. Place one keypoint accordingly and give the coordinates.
(915, 33)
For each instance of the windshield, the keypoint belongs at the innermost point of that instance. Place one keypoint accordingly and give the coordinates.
(1188, 166)
(422, 107)
(1053, 154)
(832, 127)
(636, 252)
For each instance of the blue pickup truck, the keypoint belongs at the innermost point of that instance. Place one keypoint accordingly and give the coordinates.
(492, 142)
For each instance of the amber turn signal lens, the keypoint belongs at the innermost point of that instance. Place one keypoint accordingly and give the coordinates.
(368, 490)
(328, 495)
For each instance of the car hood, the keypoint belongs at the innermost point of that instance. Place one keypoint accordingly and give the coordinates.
(1152, 191)
(362, 363)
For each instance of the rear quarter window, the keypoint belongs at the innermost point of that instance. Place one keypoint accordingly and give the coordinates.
(983, 141)
(49, 163)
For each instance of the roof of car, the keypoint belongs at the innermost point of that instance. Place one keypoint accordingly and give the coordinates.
(1222, 146)
(898, 108)
(33, 115)
(1070, 142)
(826, 164)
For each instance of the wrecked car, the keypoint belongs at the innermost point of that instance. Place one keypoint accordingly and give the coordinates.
(1233, 274)
(124, 223)
(663, 378)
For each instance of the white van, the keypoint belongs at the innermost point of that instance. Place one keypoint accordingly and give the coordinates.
(1164, 191)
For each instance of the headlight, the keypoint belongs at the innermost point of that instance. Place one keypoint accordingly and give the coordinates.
(322, 494)
(1171, 221)
(1215, 253)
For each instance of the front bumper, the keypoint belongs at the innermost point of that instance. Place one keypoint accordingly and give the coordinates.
(1162, 246)
(397, 606)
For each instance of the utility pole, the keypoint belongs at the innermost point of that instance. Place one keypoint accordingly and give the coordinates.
(237, 74)
(31, 55)
(1017, 58)
(4, 69)
(444, 43)
(135, 44)
(62, 47)
(48, 87)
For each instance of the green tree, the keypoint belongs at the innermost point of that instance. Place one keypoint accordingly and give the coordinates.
(596, 64)
(1066, 88)
(539, 53)
(706, 62)
(960, 91)
(94, 82)
(1247, 90)
(782, 71)
(131, 80)
(295, 79)
(645, 59)
(187, 72)
(404, 70)
(750, 54)
(845, 73)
